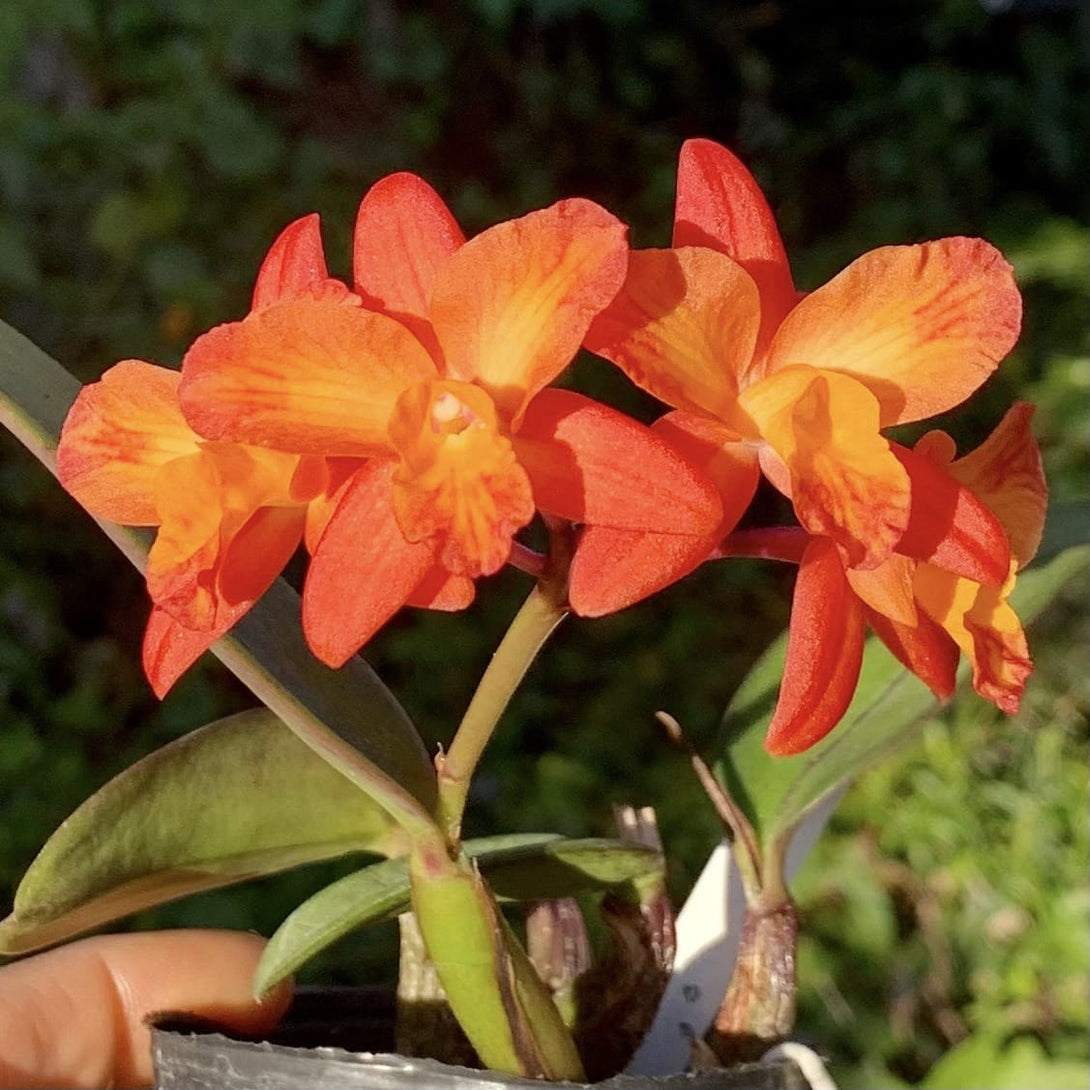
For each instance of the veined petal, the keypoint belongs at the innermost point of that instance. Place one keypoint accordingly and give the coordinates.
(921, 326)
(512, 306)
(720, 205)
(309, 376)
(1006, 473)
(228, 527)
(363, 570)
(589, 463)
(984, 626)
(459, 483)
(615, 568)
(924, 647)
(404, 237)
(683, 327)
(824, 653)
(845, 482)
(118, 434)
(295, 266)
(170, 648)
(949, 526)
(887, 589)
(181, 571)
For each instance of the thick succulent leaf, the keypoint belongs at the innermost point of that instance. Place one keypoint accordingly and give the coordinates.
(776, 792)
(522, 867)
(237, 799)
(348, 716)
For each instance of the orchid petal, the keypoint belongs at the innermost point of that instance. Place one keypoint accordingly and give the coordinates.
(459, 482)
(887, 589)
(824, 653)
(440, 590)
(985, 627)
(590, 463)
(1006, 473)
(118, 434)
(309, 376)
(923, 647)
(404, 237)
(949, 526)
(721, 206)
(294, 266)
(845, 482)
(615, 568)
(683, 327)
(512, 306)
(363, 570)
(922, 326)
(170, 648)
(228, 527)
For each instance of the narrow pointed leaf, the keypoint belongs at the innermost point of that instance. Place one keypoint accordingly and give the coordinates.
(348, 717)
(239, 798)
(776, 793)
(522, 867)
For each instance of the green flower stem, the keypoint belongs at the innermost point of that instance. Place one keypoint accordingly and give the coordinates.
(540, 614)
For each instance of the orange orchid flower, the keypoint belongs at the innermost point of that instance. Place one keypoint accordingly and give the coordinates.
(439, 380)
(229, 516)
(797, 385)
(977, 521)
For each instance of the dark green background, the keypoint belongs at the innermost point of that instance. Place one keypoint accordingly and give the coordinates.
(150, 151)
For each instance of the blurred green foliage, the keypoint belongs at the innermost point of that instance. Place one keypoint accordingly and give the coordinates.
(150, 151)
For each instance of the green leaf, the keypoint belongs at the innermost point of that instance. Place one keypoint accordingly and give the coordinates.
(239, 798)
(777, 792)
(522, 867)
(347, 716)
(985, 1060)
(494, 991)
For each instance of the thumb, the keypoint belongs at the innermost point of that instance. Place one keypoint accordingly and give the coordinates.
(74, 1016)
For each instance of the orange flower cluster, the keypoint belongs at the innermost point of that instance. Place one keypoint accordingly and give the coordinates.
(404, 430)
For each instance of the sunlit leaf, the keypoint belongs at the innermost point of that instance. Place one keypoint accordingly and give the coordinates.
(347, 716)
(522, 867)
(777, 792)
(239, 798)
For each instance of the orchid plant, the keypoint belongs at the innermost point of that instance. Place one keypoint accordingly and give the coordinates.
(405, 431)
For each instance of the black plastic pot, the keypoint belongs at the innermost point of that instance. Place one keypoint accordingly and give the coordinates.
(341, 1038)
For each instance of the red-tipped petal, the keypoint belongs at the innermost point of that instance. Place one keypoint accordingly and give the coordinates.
(363, 570)
(925, 648)
(921, 326)
(720, 205)
(294, 266)
(949, 526)
(824, 653)
(1005, 471)
(589, 463)
(512, 306)
(404, 236)
(118, 435)
(310, 376)
(170, 648)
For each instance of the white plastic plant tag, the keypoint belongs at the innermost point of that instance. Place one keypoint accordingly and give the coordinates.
(708, 927)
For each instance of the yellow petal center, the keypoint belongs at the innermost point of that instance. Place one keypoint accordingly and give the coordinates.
(458, 483)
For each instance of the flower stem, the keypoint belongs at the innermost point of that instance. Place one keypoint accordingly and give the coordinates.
(540, 614)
